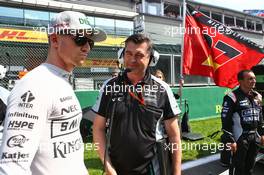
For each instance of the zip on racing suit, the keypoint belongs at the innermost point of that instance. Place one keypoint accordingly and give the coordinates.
(242, 122)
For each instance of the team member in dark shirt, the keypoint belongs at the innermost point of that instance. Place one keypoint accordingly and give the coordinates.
(145, 109)
(242, 123)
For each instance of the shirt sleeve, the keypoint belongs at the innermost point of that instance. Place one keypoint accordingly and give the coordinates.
(261, 122)
(171, 108)
(100, 107)
(2, 111)
(25, 119)
(227, 119)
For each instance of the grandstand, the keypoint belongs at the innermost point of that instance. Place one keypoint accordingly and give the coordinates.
(23, 43)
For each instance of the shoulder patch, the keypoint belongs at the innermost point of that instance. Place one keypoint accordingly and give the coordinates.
(259, 98)
(232, 96)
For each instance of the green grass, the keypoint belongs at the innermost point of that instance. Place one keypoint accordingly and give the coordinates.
(93, 163)
(205, 127)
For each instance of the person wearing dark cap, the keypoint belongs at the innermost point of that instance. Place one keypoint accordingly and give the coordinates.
(41, 130)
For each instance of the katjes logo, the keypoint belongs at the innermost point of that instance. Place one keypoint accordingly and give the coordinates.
(27, 97)
(17, 141)
(14, 156)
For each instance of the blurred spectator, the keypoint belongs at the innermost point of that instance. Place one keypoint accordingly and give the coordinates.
(115, 73)
(159, 74)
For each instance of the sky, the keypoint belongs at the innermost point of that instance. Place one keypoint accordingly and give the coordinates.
(238, 5)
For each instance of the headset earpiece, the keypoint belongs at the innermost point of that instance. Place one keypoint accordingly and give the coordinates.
(2, 72)
(120, 55)
(154, 58)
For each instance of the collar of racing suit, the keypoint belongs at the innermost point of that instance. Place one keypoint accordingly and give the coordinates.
(58, 71)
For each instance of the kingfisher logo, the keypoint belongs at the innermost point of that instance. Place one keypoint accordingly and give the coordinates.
(64, 148)
(27, 98)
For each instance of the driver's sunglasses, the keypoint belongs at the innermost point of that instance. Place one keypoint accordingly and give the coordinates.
(81, 40)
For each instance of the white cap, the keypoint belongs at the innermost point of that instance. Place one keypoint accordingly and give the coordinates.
(2, 72)
(75, 22)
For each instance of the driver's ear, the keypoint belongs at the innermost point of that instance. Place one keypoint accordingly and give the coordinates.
(53, 39)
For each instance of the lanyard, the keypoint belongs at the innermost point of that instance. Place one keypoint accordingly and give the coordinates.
(138, 96)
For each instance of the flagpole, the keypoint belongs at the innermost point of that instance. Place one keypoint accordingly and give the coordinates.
(182, 50)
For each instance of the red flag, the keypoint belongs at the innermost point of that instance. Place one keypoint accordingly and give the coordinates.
(214, 50)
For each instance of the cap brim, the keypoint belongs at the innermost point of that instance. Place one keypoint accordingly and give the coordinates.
(98, 36)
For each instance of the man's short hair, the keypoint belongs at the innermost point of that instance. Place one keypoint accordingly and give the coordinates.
(139, 39)
(240, 75)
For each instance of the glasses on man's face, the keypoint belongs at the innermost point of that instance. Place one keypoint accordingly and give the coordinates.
(81, 40)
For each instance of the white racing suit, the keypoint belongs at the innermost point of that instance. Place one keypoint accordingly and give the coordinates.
(41, 130)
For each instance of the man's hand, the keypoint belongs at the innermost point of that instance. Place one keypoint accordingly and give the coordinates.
(173, 132)
(99, 139)
(110, 170)
(232, 146)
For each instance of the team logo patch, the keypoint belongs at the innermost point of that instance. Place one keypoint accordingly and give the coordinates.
(27, 97)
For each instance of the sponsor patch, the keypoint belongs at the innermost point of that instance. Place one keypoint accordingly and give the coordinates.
(17, 141)
(16, 157)
(17, 125)
(65, 126)
(62, 148)
(26, 98)
(22, 115)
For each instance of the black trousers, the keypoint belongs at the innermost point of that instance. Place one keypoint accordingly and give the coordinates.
(243, 160)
